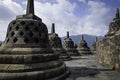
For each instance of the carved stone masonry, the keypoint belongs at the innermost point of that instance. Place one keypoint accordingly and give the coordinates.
(108, 49)
(56, 44)
(83, 47)
(69, 46)
(26, 53)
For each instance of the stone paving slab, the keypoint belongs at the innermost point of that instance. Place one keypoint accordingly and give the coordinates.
(87, 68)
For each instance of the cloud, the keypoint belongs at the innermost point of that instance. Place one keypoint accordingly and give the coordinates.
(50, 1)
(83, 1)
(62, 13)
(8, 10)
(97, 19)
(95, 22)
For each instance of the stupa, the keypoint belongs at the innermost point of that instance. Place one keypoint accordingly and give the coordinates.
(108, 49)
(56, 44)
(83, 47)
(0, 43)
(75, 45)
(69, 46)
(26, 53)
(114, 25)
(93, 49)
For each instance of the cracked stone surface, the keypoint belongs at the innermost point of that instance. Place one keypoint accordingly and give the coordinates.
(88, 68)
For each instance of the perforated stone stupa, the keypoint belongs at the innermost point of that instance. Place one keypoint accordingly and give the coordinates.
(69, 46)
(108, 49)
(83, 47)
(114, 25)
(56, 44)
(26, 53)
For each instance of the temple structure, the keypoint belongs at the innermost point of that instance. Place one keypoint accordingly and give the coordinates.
(26, 53)
(56, 44)
(108, 49)
(75, 45)
(69, 46)
(83, 47)
(93, 49)
(0, 43)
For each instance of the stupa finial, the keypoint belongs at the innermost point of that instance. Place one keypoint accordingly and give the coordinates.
(82, 37)
(53, 28)
(68, 34)
(30, 7)
(117, 13)
(96, 39)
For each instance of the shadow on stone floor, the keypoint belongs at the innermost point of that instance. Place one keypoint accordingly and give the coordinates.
(81, 57)
(74, 58)
(84, 72)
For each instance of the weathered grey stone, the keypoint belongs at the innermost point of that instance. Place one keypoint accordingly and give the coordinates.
(108, 49)
(83, 47)
(76, 46)
(86, 67)
(93, 49)
(68, 45)
(0, 43)
(26, 53)
(56, 44)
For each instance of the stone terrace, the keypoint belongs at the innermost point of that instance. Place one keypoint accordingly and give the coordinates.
(87, 68)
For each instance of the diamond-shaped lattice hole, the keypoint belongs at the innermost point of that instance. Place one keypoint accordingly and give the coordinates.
(12, 34)
(40, 34)
(7, 34)
(10, 28)
(15, 40)
(36, 40)
(14, 22)
(43, 30)
(39, 24)
(21, 33)
(26, 28)
(36, 28)
(46, 35)
(31, 34)
(17, 27)
(26, 40)
(44, 41)
(31, 23)
(22, 22)
(7, 40)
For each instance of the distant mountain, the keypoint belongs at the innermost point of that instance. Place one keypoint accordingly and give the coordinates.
(89, 38)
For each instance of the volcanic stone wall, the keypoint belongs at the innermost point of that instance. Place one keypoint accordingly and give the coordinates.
(108, 52)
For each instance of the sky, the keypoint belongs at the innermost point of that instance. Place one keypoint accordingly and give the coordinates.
(76, 16)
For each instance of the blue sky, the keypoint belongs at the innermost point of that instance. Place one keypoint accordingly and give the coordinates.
(77, 16)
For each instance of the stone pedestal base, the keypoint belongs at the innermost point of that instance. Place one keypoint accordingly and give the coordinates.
(36, 64)
(63, 54)
(72, 52)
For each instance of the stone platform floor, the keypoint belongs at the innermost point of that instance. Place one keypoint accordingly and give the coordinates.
(87, 68)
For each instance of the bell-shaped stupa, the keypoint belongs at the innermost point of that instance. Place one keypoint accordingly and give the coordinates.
(56, 44)
(114, 26)
(83, 47)
(69, 46)
(26, 53)
(108, 49)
